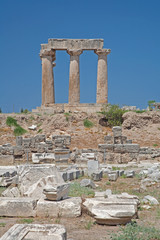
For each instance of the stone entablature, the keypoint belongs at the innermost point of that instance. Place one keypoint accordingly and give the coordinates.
(74, 47)
(65, 44)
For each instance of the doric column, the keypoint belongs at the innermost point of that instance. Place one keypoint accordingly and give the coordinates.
(102, 79)
(48, 58)
(74, 80)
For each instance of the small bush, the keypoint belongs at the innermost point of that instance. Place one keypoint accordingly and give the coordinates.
(0, 110)
(11, 122)
(2, 224)
(155, 145)
(140, 111)
(26, 220)
(113, 115)
(77, 191)
(88, 123)
(134, 232)
(19, 131)
(40, 130)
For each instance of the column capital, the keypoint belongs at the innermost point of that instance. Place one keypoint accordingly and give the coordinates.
(102, 51)
(74, 52)
(46, 53)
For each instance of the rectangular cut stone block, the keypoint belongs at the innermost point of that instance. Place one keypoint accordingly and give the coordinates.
(93, 166)
(64, 44)
(61, 154)
(131, 148)
(6, 160)
(117, 131)
(70, 207)
(17, 207)
(106, 146)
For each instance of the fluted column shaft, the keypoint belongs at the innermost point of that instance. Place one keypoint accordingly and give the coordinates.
(48, 95)
(74, 77)
(102, 78)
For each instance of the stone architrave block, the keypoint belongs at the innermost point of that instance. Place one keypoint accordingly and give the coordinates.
(6, 160)
(87, 183)
(70, 207)
(117, 131)
(93, 166)
(17, 207)
(108, 147)
(64, 44)
(89, 156)
(35, 231)
(11, 192)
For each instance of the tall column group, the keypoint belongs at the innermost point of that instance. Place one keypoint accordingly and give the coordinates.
(48, 57)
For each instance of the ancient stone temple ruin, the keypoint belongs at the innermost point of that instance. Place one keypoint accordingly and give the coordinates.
(74, 47)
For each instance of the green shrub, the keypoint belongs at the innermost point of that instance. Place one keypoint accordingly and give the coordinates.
(11, 122)
(19, 131)
(133, 231)
(87, 123)
(26, 220)
(77, 191)
(0, 110)
(113, 114)
(140, 111)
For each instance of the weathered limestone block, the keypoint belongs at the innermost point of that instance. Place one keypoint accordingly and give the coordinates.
(30, 174)
(6, 160)
(61, 140)
(43, 157)
(131, 148)
(40, 138)
(7, 150)
(107, 147)
(112, 210)
(70, 207)
(36, 190)
(64, 44)
(113, 176)
(97, 176)
(108, 139)
(117, 131)
(93, 166)
(19, 141)
(87, 183)
(26, 142)
(61, 154)
(36, 232)
(56, 192)
(17, 207)
(18, 151)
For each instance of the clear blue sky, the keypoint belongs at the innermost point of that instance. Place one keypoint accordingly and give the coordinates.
(131, 29)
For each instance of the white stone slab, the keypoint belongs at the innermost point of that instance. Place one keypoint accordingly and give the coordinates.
(70, 207)
(17, 207)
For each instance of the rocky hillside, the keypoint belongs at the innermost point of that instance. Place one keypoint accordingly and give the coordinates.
(142, 128)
